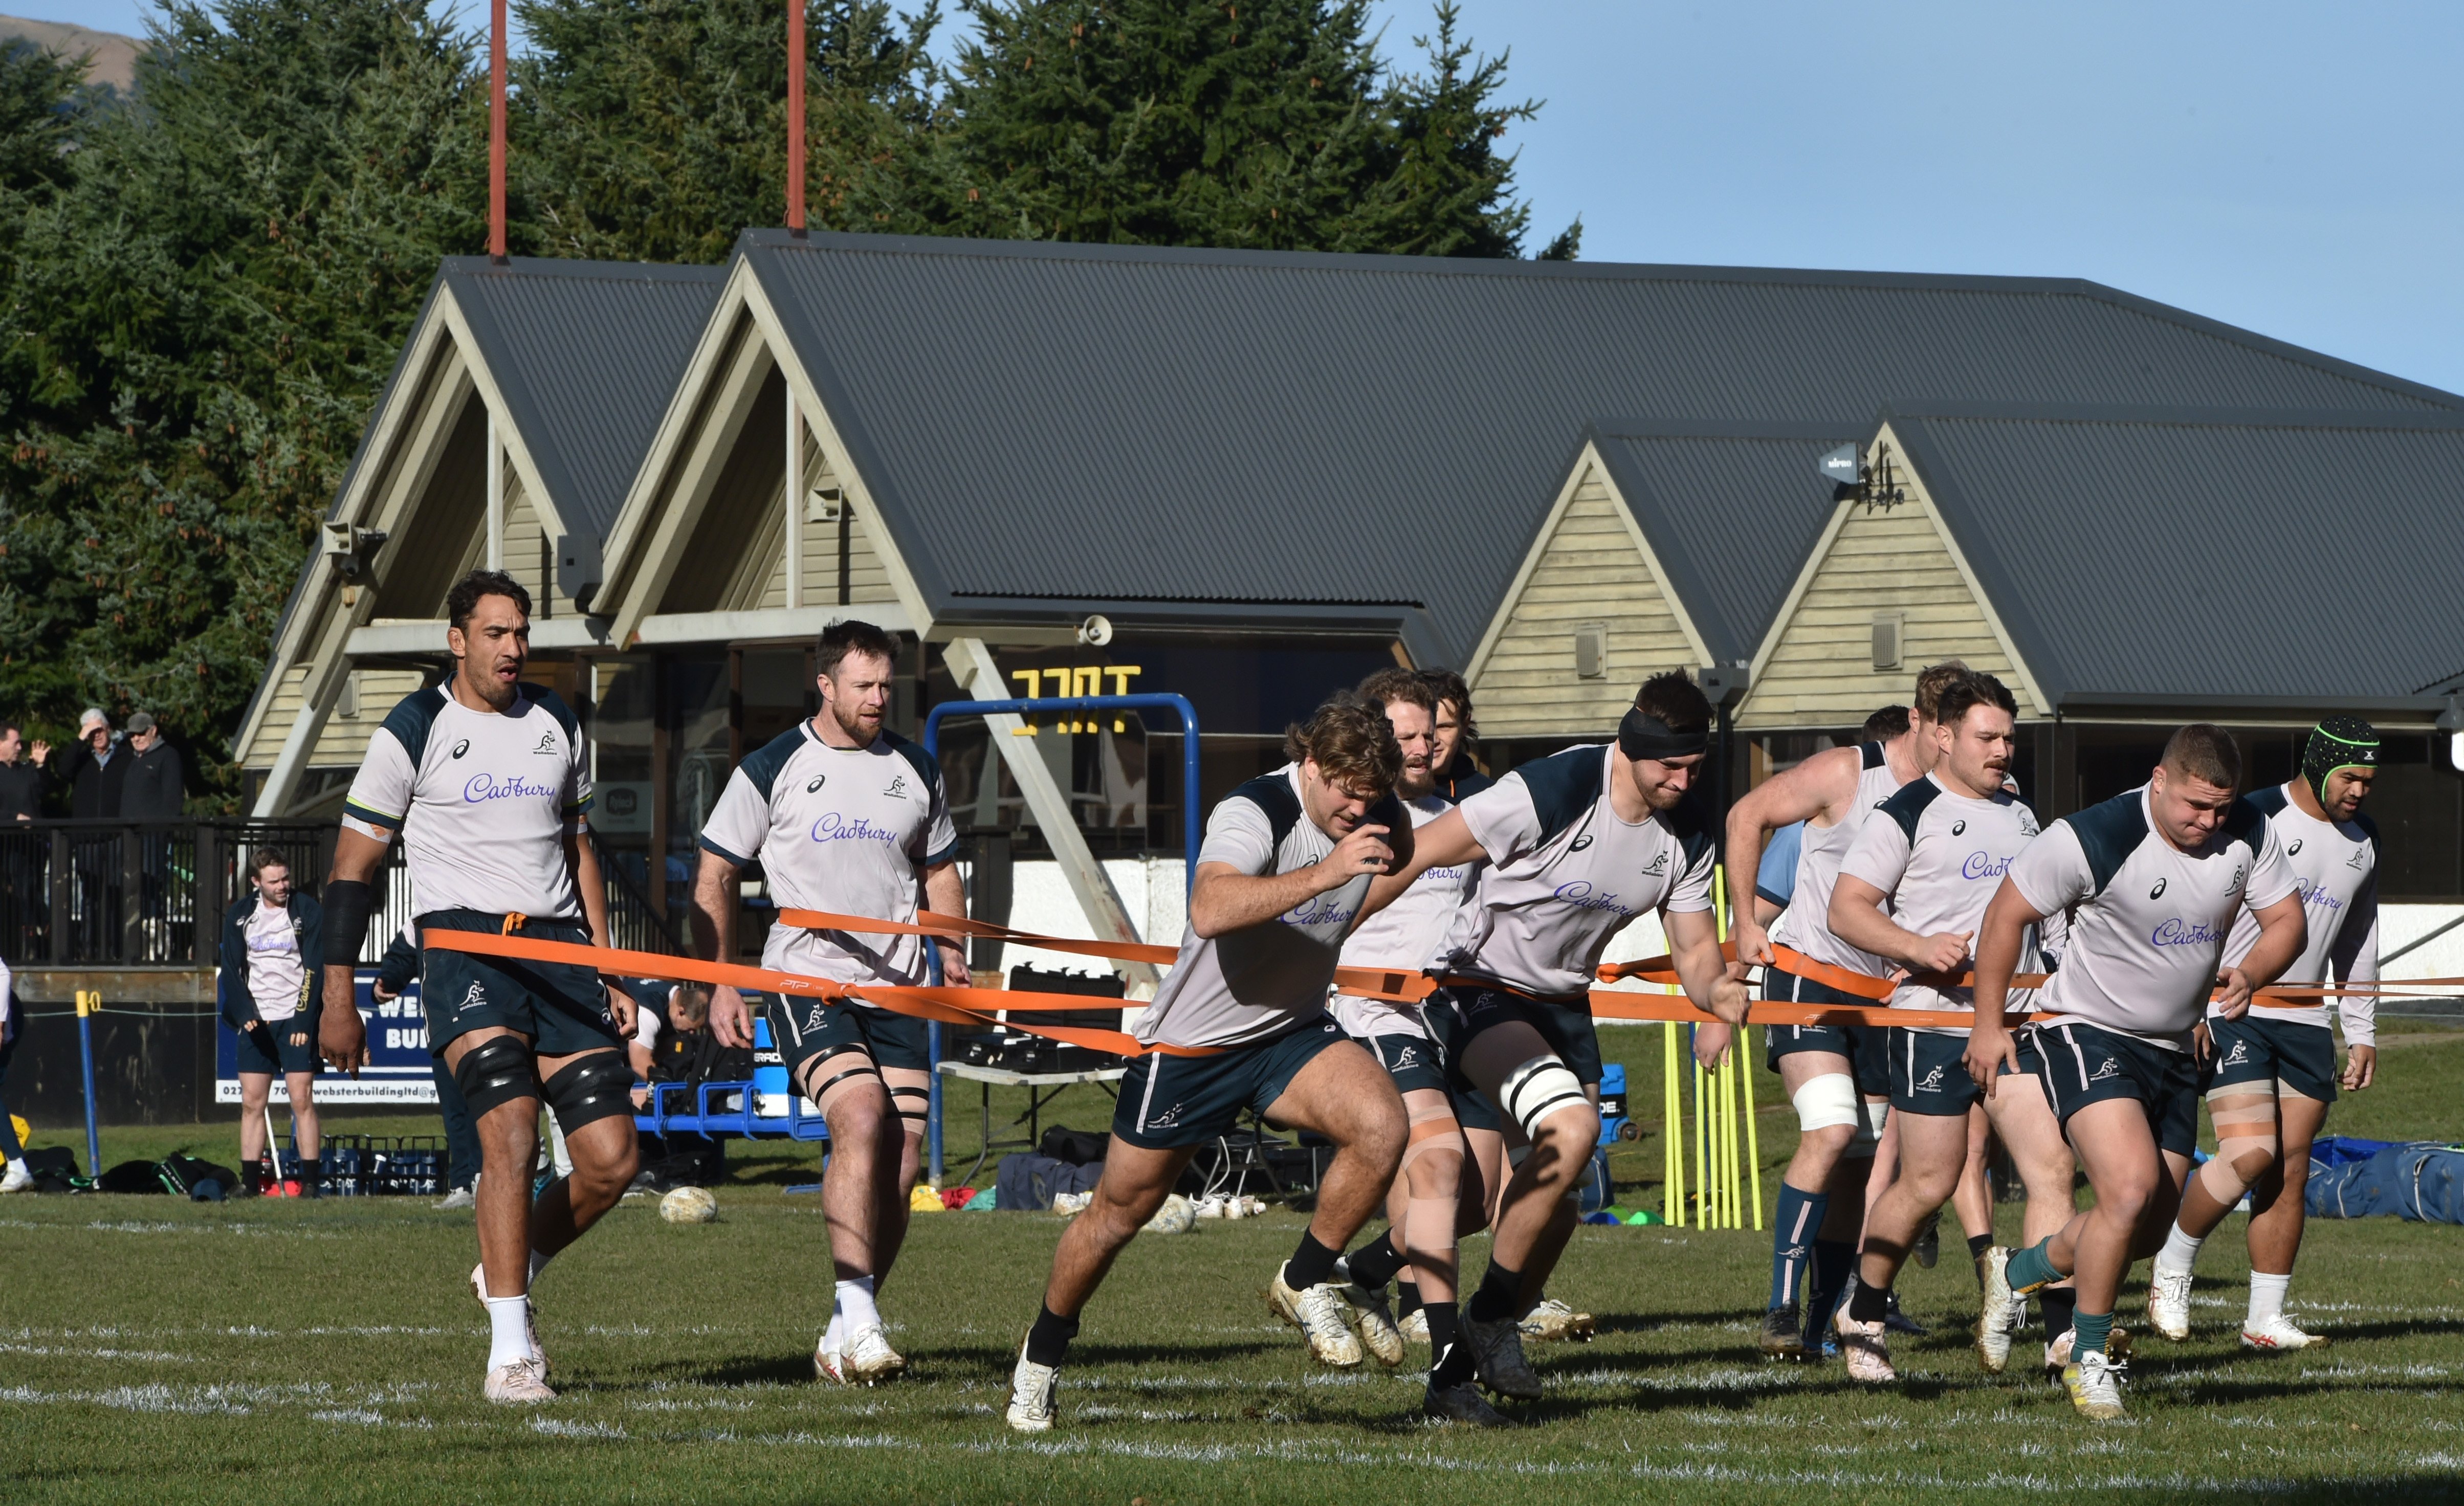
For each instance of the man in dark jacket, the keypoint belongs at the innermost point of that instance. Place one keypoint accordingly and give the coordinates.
(273, 940)
(21, 784)
(152, 789)
(94, 770)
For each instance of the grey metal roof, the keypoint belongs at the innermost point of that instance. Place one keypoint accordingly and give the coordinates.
(2152, 555)
(1701, 491)
(1074, 427)
(587, 355)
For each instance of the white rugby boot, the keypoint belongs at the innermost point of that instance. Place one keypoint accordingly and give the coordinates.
(1379, 1334)
(2094, 1380)
(1552, 1320)
(2277, 1333)
(1033, 1389)
(2169, 1303)
(1866, 1347)
(520, 1382)
(1322, 1316)
(863, 1359)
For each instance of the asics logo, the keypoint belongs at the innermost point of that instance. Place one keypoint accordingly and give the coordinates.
(462, 747)
(816, 782)
(2158, 892)
(1580, 843)
(2294, 850)
(1958, 828)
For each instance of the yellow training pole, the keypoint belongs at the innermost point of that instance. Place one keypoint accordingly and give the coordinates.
(1736, 1172)
(1672, 1139)
(1701, 1149)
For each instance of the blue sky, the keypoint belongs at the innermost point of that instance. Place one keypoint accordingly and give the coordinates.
(2292, 169)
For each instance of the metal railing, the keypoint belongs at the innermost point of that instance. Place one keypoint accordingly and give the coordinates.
(131, 894)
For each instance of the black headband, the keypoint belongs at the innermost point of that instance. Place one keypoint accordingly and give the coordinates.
(1643, 736)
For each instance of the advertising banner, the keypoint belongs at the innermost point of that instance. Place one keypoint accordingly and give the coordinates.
(397, 1072)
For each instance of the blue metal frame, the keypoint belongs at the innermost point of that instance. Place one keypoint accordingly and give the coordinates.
(1064, 705)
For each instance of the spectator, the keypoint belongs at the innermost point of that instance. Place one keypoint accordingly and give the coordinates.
(395, 972)
(18, 1177)
(151, 790)
(269, 938)
(667, 1032)
(94, 770)
(21, 784)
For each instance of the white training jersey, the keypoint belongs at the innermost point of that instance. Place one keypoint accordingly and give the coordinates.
(1940, 855)
(278, 979)
(2147, 920)
(1258, 982)
(846, 830)
(1806, 926)
(484, 801)
(1566, 873)
(1405, 934)
(2336, 866)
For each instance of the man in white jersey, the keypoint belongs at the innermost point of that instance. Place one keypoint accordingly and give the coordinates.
(1578, 845)
(1913, 890)
(2151, 880)
(272, 939)
(488, 780)
(1834, 1074)
(1240, 1023)
(847, 818)
(1425, 1208)
(2271, 1073)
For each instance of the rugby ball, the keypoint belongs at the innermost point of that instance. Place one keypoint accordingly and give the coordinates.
(688, 1205)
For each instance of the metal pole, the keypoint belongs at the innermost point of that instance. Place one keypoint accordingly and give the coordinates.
(497, 130)
(87, 1004)
(796, 126)
(932, 1067)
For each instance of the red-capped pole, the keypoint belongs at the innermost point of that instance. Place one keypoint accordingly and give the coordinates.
(497, 130)
(795, 115)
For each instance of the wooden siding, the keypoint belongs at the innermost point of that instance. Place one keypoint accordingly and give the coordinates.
(742, 512)
(1820, 671)
(1589, 570)
(867, 577)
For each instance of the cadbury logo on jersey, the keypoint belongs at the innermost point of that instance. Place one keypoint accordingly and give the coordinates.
(2177, 932)
(1319, 911)
(2316, 894)
(835, 827)
(1984, 865)
(1579, 895)
(487, 787)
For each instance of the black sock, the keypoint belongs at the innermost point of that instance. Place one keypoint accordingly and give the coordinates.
(1310, 1264)
(1451, 1359)
(1500, 1291)
(312, 1171)
(1827, 1275)
(1049, 1338)
(2061, 1308)
(1977, 1245)
(252, 1179)
(1869, 1304)
(1376, 1263)
(1407, 1300)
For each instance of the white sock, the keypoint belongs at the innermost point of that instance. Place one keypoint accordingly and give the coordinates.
(855, 1304)
(2267, 1296)
(835, 1339)
(2181, 1251)
(539, 1263)
(509, 1336)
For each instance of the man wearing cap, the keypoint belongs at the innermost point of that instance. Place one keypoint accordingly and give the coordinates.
(2271, 1073)
(94, 770)
(151, 789)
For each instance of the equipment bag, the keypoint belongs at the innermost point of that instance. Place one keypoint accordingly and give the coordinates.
(132, 1176)
(1029, 1181)
(181, 1174)
(2420, 1183)
(1077, 1146)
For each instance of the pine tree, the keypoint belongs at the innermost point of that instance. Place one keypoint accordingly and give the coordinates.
(205, 309)
(1267, 123)
(657, 131)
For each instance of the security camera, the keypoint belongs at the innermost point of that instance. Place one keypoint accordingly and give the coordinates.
(351, 548)
(1096, 631)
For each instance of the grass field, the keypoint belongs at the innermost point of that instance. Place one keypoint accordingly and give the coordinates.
(328, 1351)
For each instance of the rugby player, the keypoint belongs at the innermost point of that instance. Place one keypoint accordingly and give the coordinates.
(1578, 845)
(847, 817)
(2151, 880)
(1452, 735)
(273, 941)
(2271, 1073)
(1240, 1022)
(488, 780)
(1912, 890)
(1834, 1074)
(1424, 1203)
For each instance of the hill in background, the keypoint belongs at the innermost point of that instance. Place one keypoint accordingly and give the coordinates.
(115, 56)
